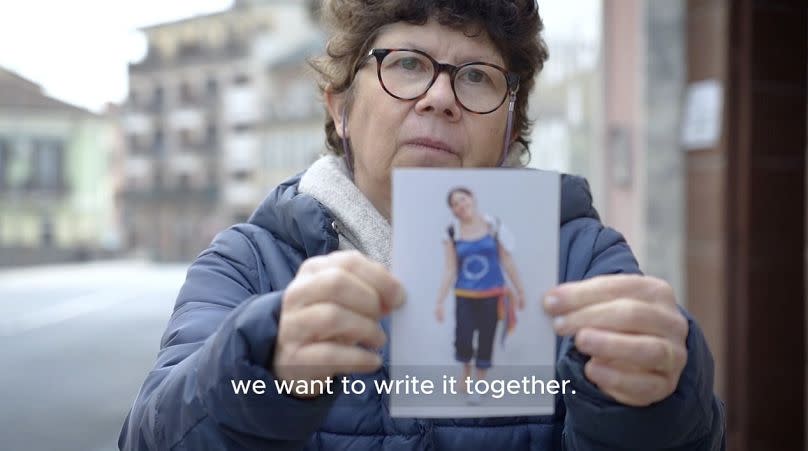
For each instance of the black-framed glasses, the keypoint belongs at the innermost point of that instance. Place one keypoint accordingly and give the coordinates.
(407, 74)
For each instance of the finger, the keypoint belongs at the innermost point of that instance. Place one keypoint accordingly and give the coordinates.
(575, 295)
(333, 284)
(373, 273)
(332, 322)
(327, 359)
(617, 364)
(625, 315)
(633, 388)
(644, 352)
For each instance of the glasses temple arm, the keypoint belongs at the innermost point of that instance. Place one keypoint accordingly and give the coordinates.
(508, 129)
(346, 150)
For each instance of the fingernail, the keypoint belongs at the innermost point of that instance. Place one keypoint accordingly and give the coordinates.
(401, 297)
(551, 301)
(559, 322)
(581, 341)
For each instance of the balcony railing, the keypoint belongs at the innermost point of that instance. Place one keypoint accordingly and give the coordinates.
(209, 194)
(196, 55)
(32, 190)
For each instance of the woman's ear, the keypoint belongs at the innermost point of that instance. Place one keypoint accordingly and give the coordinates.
(335, 104)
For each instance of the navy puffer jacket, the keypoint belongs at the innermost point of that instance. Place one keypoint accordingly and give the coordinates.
(225, 323)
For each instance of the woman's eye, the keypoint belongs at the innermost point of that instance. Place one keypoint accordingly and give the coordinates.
(475, 76)
(409, 63)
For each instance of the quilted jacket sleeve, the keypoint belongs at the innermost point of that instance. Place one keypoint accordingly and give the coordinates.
(691, 419)
(220, 332)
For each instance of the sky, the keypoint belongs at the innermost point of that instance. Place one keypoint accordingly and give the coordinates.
(78, 50)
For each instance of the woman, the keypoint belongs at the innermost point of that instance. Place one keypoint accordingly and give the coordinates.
(303, 290)
(474, 258)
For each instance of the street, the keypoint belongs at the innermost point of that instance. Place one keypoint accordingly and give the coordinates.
(76, 342)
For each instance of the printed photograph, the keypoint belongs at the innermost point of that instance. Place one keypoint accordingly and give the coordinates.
(475, 262)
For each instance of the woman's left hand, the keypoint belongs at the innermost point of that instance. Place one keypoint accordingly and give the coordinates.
(632, 328)
(439, 312)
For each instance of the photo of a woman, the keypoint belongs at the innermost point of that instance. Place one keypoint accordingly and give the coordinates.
(476, 253)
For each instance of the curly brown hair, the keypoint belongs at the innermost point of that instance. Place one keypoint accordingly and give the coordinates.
(514, 26)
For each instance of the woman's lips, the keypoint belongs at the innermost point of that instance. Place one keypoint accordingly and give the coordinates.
(432, 144)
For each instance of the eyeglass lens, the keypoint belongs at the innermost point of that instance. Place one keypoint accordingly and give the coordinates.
(407, 75)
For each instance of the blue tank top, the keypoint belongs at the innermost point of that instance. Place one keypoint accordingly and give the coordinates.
(478, 268)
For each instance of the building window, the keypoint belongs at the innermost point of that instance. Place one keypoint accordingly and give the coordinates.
(46, 232)
(211, 135)
(185, 138)
(212, 178)
(158, 143)
(184, 182)
(158, 180)
(241, 176)
(241, 79)
(212, 88)
(5, 160)
(132, 237)
(189, 50)
(134, 143)
(132, 183)
(47, 164)
(186, 94)
(153, 55)
(157, 99)
(235, 44)
(242, 127)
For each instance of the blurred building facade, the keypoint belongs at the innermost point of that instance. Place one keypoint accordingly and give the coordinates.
(746, 204)
(608, 108)
(720, 215)
(219, 112)
(57, 184)
(567, 110)
(641, 163)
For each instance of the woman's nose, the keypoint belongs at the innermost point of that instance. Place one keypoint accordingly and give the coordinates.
(440, 99)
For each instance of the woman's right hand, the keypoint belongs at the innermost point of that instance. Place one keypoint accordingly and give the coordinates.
(329, 321)
(439, 312)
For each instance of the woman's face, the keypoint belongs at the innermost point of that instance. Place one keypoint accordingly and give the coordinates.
(386, 132)
(463, 206)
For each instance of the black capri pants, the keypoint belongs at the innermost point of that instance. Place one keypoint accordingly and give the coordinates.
(475, 315)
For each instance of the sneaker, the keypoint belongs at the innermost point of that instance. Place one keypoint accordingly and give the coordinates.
(474, 399)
